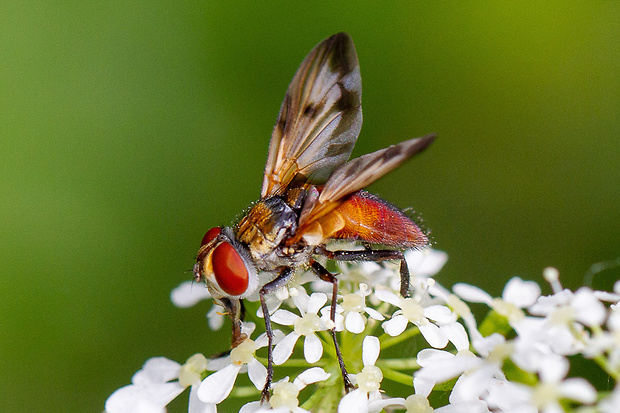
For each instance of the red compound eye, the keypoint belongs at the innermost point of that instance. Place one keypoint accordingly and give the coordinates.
(210, 235)
(229, 269)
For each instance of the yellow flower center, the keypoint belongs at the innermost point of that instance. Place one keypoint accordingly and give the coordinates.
(307, 324)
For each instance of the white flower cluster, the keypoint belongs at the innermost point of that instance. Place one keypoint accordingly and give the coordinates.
(517, 361)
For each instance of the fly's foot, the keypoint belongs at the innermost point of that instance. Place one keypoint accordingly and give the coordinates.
(348, 386)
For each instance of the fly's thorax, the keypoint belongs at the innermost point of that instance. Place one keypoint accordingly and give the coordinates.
(225, 265)
(266, 225)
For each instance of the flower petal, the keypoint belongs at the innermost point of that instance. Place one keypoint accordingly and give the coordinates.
(521, 293)
(578, 389)
(151, 398)
(456, 334)
(251, 407)
(477, 406)
(248, 327)
(257, 373)
(196, 406)
(388, 297)
(470, 386)
(354, 322)
(553, 368)
(423, 386)
(439, 313)
(313, 375)
(263, 340)
(472, 294)
(485, 345)
(315, 302)
(300, 299)
(370, 350)
(284, 317)
(380, 404)
(395, 325)
(590, 311)
(215, 317)
(374, 314)
(425, 263)
(428, 356)
(313, 349)
(217, 386)
(433, 335)
(445, 369)
(188, 293)
(355, 401)
(157, 370)
(283, 350)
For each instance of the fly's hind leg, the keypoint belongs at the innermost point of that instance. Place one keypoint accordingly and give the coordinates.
(375, 255)
(329, 277)
(270, 287)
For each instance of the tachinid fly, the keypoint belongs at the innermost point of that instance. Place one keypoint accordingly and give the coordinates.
(311, 194)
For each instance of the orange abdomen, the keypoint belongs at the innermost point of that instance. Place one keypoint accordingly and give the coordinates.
(369, 218)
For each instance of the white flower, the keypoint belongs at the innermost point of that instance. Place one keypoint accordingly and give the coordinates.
(610, 404)
(285, 394)
(425, 263)
(305, 326)
(217, 386)
(439, 366)
(536, 340)
(562, 331)
(566, 307)
(354, 306)
(158, 383)
(416, 403)
(422, 265)
(367, 398)
(188, 294)
(517, 294)
(553, 387)
(477, 374)
(411, 311)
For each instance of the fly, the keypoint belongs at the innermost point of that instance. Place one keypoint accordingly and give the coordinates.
(312, 194)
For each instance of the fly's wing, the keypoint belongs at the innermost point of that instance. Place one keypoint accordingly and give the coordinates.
(320, 118)
(355, 175)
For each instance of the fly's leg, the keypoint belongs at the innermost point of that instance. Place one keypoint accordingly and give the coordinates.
(236, 311)
(374, 255)
(329, 277)
(272, 286)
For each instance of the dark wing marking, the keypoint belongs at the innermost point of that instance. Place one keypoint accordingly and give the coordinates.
(359, 173)
(320, 118)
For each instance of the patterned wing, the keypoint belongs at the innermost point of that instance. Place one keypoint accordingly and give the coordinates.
(357, 174)
(320, 118)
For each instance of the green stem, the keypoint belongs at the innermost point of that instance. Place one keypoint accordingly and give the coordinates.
(600, 359)
(398, 364)
(397, 376)
(602, 362)
(387, 341)
(244, 391)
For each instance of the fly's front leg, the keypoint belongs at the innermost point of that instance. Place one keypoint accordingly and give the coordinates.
(236, 312)
(375, 255)
(270, 287)
(329, 277)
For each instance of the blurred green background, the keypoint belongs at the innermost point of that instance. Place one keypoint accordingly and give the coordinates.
(129, 129)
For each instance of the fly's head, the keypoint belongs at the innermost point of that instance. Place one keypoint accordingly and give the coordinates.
(225, 265)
